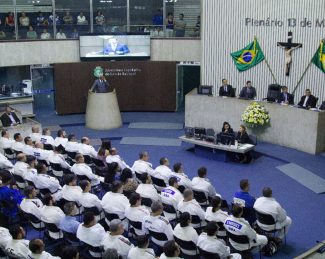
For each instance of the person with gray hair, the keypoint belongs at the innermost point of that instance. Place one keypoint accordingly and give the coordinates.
(142, 165)
(69, 223)
(115, 239)
(190, 205)
(156, 223)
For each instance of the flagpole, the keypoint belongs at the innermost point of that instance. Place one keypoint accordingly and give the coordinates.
(268, 65)
(302, 76)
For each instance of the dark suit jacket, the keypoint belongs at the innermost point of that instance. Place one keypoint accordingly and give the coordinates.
(229, 92)
(100, 86)
(281, 98)
(243, 138)
(247, 95)
(6, 121)
(311, 102)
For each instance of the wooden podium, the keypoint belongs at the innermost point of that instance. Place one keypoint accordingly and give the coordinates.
(103, 112)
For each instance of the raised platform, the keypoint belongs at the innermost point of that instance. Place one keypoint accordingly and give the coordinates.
(290, 126)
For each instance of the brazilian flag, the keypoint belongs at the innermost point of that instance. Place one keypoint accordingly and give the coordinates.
(248, 57)
(319, 57)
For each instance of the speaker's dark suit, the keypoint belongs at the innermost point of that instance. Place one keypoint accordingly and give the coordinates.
(281, 98)
(6, 121)
(223, 92)
(100, 86)
(311, 102)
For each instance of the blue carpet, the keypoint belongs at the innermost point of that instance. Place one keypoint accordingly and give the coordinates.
(304, 177)
(303, 205)
(145, 141)
(156, 125)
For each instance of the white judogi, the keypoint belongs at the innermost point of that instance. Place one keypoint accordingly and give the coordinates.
(182, 180)
(119, 242)
(218, 216)
(51, 214)
(32, 206)
(204, 185)
(87, 150)
(187, 234)
(20, 168)
(18, 248)
(18, 146)
(60, 141)
(141, 166)
(92, 236)
(213, 245)
(4, 162)
(136, 252)
(158, 224)
(30, 175)
(137, 214)
(164, 172)
(239, 226)
(43, 181)
(36, 137)
(192, 207)
(148, 191)
(89, 200)
(163, 256)
(72, 146)
(5, 237)
(58, 159)
(43, 255)
(72, 193)
(83, 169)
(28, 150)
(115, 203)
(47, 140)
(171, 196)
(42, 154)
(6, 142)
(117, 159)
(271, 206)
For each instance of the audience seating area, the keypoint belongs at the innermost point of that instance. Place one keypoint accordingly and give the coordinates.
(54, 237)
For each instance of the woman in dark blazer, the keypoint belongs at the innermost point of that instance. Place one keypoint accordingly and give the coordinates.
(243, 138)
(226, 128)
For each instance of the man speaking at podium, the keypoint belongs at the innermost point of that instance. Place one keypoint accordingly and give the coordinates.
(100, 85)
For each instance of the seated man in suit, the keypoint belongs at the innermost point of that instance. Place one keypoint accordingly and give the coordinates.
(285, 97)
(248, 91)
(115, 48)
(225, 89)
(9, 118)
(308, 100)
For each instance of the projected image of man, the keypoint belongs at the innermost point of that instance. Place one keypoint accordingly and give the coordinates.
(115, 48)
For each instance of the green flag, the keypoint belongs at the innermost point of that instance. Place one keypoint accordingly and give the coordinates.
(319, 57)
(248, 57)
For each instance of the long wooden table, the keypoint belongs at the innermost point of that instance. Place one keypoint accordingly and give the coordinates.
(242, 148)
(219, 152)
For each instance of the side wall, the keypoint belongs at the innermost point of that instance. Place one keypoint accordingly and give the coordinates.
(229, 25)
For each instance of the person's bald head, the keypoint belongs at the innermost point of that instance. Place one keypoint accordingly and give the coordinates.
(21, 157)
(85, 140)
(35, 129)
(39, 145)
